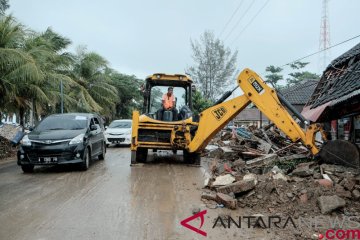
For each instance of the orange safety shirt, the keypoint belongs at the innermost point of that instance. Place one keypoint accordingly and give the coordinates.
(168, 101)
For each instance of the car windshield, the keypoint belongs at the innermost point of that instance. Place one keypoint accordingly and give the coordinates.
(65, 122)
(158, 92)
(122, 124)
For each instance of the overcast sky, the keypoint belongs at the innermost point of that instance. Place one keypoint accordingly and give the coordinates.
(143, 37)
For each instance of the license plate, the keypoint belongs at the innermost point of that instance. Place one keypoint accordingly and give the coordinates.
(48, 159)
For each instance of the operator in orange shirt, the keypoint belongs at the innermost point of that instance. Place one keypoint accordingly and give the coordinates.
(168, 103)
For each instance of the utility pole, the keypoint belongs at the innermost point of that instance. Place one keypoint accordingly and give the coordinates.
(324, 41)
(62, 96)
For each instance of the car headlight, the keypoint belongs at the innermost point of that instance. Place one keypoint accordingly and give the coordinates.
(26, 141)
(78, 139)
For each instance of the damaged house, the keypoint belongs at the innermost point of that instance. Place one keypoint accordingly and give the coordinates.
(336, 99)
(336, 103)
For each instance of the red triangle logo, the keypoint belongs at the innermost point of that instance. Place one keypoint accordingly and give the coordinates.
(198, 215)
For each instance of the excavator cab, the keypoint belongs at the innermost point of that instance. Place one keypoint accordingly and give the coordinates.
(157, 87)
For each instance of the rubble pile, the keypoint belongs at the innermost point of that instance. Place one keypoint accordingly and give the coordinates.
(276, 176)
(7, 133)
(258, 144)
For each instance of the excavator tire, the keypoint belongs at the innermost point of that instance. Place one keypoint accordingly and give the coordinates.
(340, 152)
(139, 156)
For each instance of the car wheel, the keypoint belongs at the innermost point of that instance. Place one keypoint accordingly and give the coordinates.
(27, 168)
(191, 158)
(86, 160)
(103, 151)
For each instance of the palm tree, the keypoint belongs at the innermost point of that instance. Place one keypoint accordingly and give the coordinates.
(95, 89)
(17, 68)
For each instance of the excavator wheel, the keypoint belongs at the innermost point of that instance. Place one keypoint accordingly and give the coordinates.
(191, 158)
(340, 152)
(139, 156)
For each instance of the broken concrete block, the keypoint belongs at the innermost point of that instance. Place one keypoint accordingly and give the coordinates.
(208, 196)
(226, 142)
(325, 183)
(215, 153)
(276, 170)
(263, 160)
(228, 153)
(341, 192)
(239, 163)
(356, 194)
(328, 204)
(223, 180)
(211, 147)
(251, 176)
(226, 200)
(280, 176)
(303, 170)
(238, 187)
(348, 184)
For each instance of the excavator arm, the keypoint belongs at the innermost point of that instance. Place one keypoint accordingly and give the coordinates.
(256, 91)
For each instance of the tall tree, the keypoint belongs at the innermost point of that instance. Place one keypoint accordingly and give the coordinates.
(214, 65)
(129, 94)
(199, 102)
(274, 77)
(95, 91)
(299, 76)
(4, 4)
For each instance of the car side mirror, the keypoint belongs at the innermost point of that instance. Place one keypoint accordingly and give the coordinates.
(93, 127)
(31, 129)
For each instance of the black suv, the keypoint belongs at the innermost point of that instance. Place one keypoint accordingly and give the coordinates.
(63, 139)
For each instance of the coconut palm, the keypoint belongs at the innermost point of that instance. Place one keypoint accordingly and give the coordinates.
(90, 72)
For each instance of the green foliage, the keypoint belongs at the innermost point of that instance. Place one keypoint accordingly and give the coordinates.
(296, 77)
(32, 66)
(274, 77)
(4, 5)
(214, 65)
(200, 103)
(130, 97)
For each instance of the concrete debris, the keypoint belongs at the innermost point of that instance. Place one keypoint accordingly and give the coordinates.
(238, 187)
(264, 171)
(328, 204)
(208, 196)
(303, 170)
(279, 176)
(223, 180)
(251, 176)
(325, 183)
(226, 200)
(356, 194)
(264, 160)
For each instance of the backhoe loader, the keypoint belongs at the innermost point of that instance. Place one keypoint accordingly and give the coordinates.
(192, 132)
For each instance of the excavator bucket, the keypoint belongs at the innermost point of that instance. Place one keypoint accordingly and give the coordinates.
(340, 152)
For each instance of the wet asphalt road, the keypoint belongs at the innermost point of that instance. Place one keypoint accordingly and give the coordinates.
(109, 201)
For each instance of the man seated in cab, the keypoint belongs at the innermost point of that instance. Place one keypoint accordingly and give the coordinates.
(168, 103)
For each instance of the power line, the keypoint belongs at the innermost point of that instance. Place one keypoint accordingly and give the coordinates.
(250, 21)
(238, 7)
(237, 23)
(312, 54)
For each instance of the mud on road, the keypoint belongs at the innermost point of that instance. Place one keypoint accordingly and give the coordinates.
(109, 201)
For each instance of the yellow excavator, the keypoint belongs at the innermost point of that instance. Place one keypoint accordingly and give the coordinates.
(191, 133)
